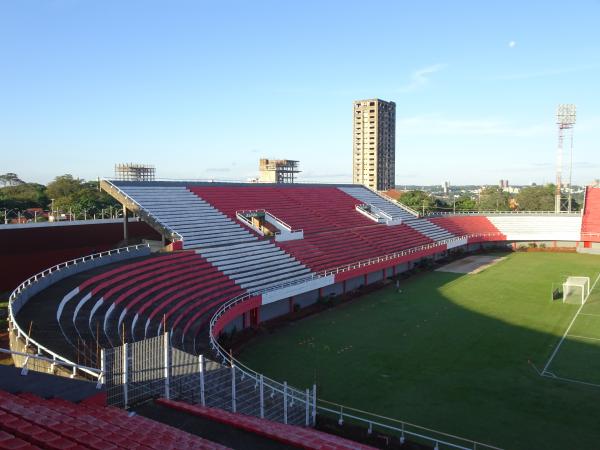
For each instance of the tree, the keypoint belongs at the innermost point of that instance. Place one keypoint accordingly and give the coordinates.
(493, 198)
(64, 186)
(536, 198)
(79, 197)
(466, 203)
(418, 200)
(10, 179)
(23, 196)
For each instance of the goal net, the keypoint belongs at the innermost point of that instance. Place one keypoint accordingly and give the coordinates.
(576, 290)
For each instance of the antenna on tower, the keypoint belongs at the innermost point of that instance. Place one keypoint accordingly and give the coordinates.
(565, 119)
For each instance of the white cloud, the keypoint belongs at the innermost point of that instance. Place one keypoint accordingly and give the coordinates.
(420, 77)
(439, 125)
(512, 44)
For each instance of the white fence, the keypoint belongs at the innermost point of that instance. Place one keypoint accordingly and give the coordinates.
(152, 368)
(35, 284)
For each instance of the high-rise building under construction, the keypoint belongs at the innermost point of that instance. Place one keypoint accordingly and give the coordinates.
(374, 144)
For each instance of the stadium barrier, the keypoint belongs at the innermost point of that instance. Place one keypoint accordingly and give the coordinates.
(37, 363)
(143, 370)
(35, 284)
(340, 412)
(511, 213)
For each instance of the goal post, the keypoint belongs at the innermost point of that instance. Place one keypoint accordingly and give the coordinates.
(575, 290)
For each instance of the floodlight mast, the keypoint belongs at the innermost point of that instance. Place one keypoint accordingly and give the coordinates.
(565, 119)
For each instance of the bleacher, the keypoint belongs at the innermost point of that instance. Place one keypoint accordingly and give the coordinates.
(31, 422)
(424, 226)
(590, 227)
(134, 300)
(337, 248)
(216, 236)
(464, 225)
(538, 227)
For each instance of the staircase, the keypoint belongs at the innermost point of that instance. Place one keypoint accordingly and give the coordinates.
(395, 211)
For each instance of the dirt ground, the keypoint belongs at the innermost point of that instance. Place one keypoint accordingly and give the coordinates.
(471, 264)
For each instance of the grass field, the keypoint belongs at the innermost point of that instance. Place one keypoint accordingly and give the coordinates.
(451, 352)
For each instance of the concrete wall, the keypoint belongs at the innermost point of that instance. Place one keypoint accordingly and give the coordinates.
(31, 248)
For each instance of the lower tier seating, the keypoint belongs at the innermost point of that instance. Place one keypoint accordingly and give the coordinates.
(29, 422)
(300, 437)
(462, 225)
(136, 300)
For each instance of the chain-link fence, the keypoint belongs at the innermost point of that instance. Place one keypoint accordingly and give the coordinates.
(152, 368)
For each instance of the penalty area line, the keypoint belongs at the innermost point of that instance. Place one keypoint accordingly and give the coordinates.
(562, 339)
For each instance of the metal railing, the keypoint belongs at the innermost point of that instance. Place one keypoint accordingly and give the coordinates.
(31, 359)
(406, 208)
(20, 295)
(113, 187)
(341, 412)
(403, 428)
(492, 212)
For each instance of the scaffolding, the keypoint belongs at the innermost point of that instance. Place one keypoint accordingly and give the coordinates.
(277, 170)
(135, 172)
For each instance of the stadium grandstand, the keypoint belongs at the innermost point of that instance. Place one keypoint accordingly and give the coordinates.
(145, 325)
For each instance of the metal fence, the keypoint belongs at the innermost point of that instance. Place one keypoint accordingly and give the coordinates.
(152, 368)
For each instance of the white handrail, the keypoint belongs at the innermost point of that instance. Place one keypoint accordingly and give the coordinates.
(228, 359)
(14, 296)
(491, 213)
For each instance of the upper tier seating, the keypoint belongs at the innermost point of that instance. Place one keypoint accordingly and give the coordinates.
(337, 248)
(590, 227)
(463, 225)
(429, 229)
(313, 209)
(218, 238)
(30, 422)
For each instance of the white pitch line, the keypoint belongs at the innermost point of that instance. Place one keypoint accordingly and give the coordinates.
(584, 337)
(569, 328)
(589, 314)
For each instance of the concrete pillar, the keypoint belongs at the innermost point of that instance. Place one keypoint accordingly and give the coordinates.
(394, 270)
(344, 287)
(291, 304)
(366, 278)
(125, 224)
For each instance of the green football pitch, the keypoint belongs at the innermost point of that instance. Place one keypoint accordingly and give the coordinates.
(459, 354)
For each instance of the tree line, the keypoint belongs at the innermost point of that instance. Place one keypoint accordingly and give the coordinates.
(74, 197)
(490, 198)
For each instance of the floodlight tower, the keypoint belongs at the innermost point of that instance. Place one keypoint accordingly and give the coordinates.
(565, 119)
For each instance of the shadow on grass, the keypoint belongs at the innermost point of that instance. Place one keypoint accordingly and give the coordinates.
(432, 356)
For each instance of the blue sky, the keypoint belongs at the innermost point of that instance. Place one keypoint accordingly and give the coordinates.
(203, 89)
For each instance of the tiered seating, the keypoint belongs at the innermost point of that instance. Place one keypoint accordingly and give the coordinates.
(300, 437)
(217, 237)
(590, 227)
(28, 421)
(428, 228)
(463, 225)
(329, 250)
(200, 224)
(538, 228)
(139, 297)
(313, 209)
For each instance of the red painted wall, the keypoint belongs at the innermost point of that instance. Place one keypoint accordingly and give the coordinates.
(27, 251)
